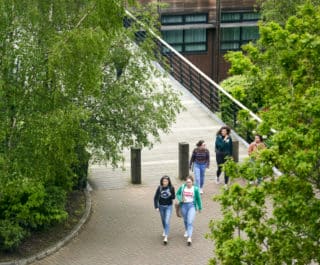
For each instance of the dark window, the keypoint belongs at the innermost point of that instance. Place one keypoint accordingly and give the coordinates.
(184, 19)
(171, 20)
(239, 17)
(188, 40)
(174, 38)
(230, 17)
(251, 16)
(196, 18)
(233, 38)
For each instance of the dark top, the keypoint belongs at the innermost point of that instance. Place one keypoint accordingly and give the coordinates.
(200, 156)
(223, 146)
(164, 196)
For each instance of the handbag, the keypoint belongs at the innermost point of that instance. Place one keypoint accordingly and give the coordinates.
(178, 209)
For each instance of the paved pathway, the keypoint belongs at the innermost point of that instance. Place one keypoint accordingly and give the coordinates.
(124, 228)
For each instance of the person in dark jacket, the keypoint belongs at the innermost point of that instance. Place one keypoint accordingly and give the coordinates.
(223, 148)
(163, 198)
(200, 160)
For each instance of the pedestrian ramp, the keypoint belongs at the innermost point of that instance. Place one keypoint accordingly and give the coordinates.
(194, 123)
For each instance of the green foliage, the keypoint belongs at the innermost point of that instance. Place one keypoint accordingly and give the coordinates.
(243, 211)
(280, 225)
(279, 11)
(270, 224)
(27, 205)
(73, 87)
(11, 235)
(238, 86)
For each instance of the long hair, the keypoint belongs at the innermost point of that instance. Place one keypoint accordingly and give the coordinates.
(224, 127)
(199, 143)
(165, 177)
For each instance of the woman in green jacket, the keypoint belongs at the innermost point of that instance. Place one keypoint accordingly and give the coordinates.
(189, 198)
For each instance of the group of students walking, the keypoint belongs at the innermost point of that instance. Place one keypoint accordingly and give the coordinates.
(188, 195)
(189, 199)
(200, 158)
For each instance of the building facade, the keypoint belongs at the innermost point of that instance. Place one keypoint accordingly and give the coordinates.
(204, 30)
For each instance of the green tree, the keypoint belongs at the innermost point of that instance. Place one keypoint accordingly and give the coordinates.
(279, 11)
(278, 221)
(72, 84)
(240, 88)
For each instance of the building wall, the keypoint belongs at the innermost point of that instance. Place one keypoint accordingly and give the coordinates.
(237, 4)
(190, 6)
(209, 6)
(223, 67)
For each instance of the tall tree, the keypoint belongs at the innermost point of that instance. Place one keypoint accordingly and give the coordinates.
(72, 81)
(278, 222)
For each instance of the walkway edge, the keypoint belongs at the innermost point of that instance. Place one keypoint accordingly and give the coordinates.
(74, 232)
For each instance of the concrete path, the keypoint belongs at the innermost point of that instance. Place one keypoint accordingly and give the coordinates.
(124, 228)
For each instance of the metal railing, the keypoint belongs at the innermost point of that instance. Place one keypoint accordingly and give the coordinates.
(212, 95)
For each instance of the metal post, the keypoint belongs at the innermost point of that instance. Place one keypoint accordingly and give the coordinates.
(234, 115)
(211, 98)
(135, 165)
(217, 39)
(183, 160)
(200, 87)
(171, 64)
(190, 80)
(235, 150)
(180, 69)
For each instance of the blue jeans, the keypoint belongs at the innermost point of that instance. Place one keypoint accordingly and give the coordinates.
(189, 213)
(199, 173)
(165, 214)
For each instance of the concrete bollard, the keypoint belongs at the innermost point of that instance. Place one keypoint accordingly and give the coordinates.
(235, 151)
(183, 160)
(135, 165)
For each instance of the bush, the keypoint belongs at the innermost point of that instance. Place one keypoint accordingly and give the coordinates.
(26, 205)
(11, 234)
(231, 113)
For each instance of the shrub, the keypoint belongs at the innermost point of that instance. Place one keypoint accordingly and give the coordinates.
(26, 205)
(11, 234)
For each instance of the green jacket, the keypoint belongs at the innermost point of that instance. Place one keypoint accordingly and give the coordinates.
(223, 146)
(197, 197)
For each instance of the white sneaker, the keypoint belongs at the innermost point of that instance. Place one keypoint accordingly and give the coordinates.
(217, 181)
(189, 241)
(185, 234)
(225, 186)
(165, 240)
(163, 234)
(201, 191)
